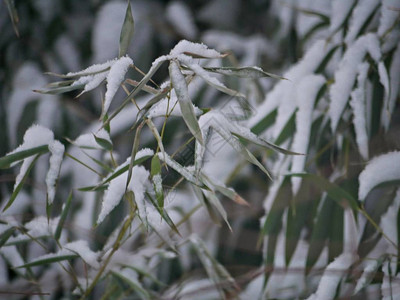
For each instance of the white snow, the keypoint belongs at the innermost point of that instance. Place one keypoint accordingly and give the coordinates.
(179, 15)
(93, 81)
(112, 196)
(332, 276)
(389, 15)
(380, 169)
(96, 68)
(340, 10)
(360, 14)
(358, 104)
(37, 227)
(82, 248)
(114, 78)
(282, 95)
(88, 140)
(57, 153)
(394, 87)
(306, 93)
(116, 190)
(201, 50)
(346, 73)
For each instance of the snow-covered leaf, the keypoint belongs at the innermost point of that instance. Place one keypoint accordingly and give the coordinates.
(57, 152)
(186, 105)
(380, 169)
(195, 50)
(244, 72)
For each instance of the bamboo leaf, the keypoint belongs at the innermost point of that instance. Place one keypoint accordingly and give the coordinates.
(127, 31)
(104, 143)
(244, 72)
(340, 195)
(63, 217)
(135, 148)
(49, 259)
(5, 235)
(186, 105)
(60, 90)
(13, 15)
(6, 161)
(18, 188)
(134, 285)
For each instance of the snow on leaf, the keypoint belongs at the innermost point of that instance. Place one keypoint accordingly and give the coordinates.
(388, 17)
(332, 276)
(360, 14)
(112, 196)
(394, 76)
(358, 104)
(379, 170)
(195, 50)
(340, 11)
(91, 70)
(82, 249)
(114, 79)
(116, 190)
(244, 72)
(181, 89)
(384, 80)
(306, 94)
(57, 151)
(346, 73)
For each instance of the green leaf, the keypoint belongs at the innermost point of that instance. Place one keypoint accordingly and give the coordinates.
(7, 160)
(104, 143)
(155, 166)
(5, 235)
(60, 90)
(18, 188)
(135, 148)
(13, 15)
(186, 105)
(217, 204)
(63, 217)
(320, 232)
(244, 72)
(134, 285)
(156, 135)
(265, 122)
(238, 147)
(341, 196)
(49, 259)
(127, 31)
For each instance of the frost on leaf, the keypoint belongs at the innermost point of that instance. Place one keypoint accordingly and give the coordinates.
(380, 169)
(57, 152)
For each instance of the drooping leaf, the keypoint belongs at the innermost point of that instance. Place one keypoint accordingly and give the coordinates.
(186, 105)
(49, 259)
(6, 161)
(244, 72)
(63, 217)
(104, 143)
(127, 30)
(13, 15)
(18, 188)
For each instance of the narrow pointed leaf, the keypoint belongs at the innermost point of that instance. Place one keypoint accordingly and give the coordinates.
(19, 186)
(104, 143)
(127, 30)
(4, 236)
(13, 15)
(135, 286)
(244, 72)
(63, 217)
(186, 105)
(340, 195)
(6, 161)
(135, 148)
(49, 260)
